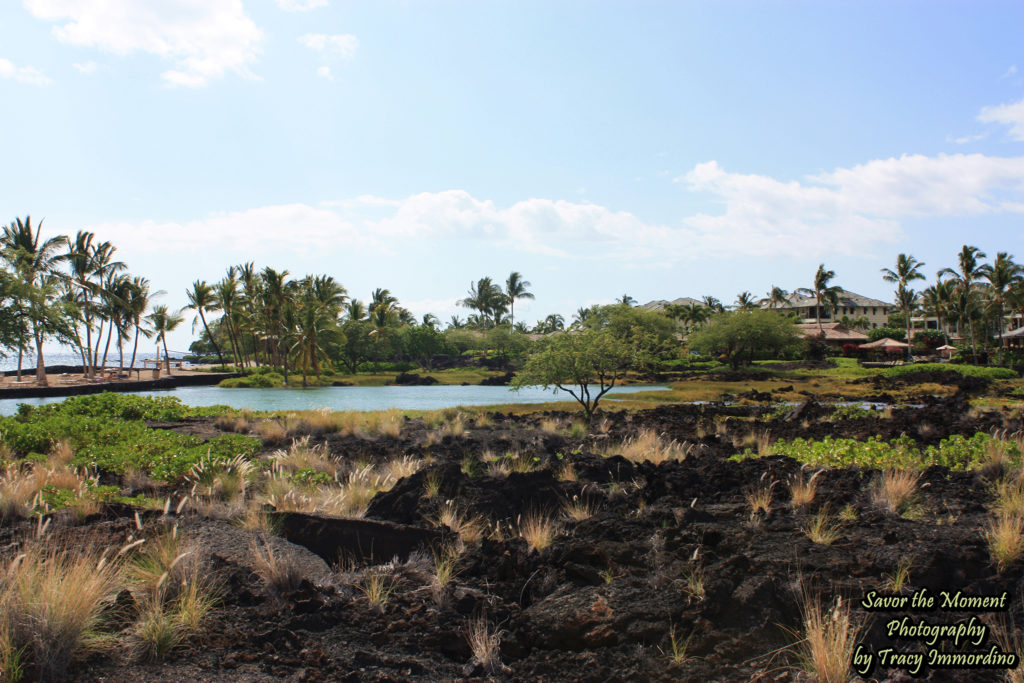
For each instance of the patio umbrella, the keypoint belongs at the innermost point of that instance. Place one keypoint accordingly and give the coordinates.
(885, 343)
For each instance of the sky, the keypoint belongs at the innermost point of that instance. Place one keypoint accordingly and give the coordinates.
(655, 149)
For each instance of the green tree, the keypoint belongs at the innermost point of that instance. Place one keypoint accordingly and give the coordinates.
(1002, 275)
(515, 288)
(34, 261)
(162, 321)
(970, 272)
(585, 364)
(743, 336)
(907, 270)
(745, 302)
(201, 299)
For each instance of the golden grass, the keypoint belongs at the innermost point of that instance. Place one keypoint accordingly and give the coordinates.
(649, 446)
(485, 643)
(822, 529)
(894, 490)
(696, 582)
(895, 582)
(1009, 496)
(829, 639)
(566, 472)
(20, 487)
(1005, 537)
(378, 586)
(445, 569)
(397, 469)
(271, 432)
(279, 574)
(300, 455)
(221, 480)
(759, 497)
(579, 509)
(538, 530)
(802, 491)
(51, 605)
(432, 484)
(470, 529)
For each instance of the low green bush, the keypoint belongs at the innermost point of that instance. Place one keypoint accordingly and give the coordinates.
(956, 452)
(261, 380)
(965, 370)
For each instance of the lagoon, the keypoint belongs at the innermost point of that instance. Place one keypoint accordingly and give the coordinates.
(352, 398)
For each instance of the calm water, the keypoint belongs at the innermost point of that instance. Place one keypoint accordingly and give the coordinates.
(350, 398)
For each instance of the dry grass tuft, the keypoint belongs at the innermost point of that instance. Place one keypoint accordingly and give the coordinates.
(802, 491)
(894, 490)
(470, 529)
(829, 640)
(538, 530)
(445, 569)
(759, 497)
(579, 509)
(397, 469)
(1005, 538)
(822, 529)
(649, 446)
(271, 432)
(279, 574)
(51, 605)
(378, 585)
(485, 644)
(301, 456)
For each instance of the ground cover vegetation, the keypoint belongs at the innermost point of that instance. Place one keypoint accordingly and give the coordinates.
(474, 542)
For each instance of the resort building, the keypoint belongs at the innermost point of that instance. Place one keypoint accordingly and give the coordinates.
(833, 334)
(860, 311)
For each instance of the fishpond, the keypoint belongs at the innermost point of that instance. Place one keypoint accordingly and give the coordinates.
(353, 398)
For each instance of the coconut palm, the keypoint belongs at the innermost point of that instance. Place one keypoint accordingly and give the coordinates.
(89, 265)
(202, 299)
(34, 261)
(777, 297)
(713, 304)
(745, 302)
(515, 288)
(355, 309)
(626, 300)
(907, 270)
(1001, 275)
(430, 320)
(969, 273)
(162, 321)
(937, 301)
(824, 293)
(138, 301)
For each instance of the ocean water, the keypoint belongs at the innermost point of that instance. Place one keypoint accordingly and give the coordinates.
(65, 357)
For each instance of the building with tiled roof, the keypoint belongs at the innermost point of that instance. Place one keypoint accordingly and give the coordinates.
(851, 306)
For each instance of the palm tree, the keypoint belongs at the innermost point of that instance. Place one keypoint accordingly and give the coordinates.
(824, 293)
(626, 300)
(430, 320)
(515, 288)
(937, 300)
(230, 302)
(381, 297)
(355, 310)
(969, 273)
(138, 301)
(34, 261)
(696, 315)
(89, 265)
(745, 302)
(487, 298)
(907, 270)
(1002, 275)
(201, 299)
(163, 321)
(456, 323)
(777, 297)
(713, 304)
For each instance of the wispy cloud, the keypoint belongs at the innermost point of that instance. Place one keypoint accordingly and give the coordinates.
(23, 74)
(1011, 72)
(340, 45)
(300, 5)
(966, 139)
(1011, 115)
(87, 68)
(203, 39)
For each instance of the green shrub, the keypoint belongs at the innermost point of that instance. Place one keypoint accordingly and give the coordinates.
(965, 370)
(956, 452)
(259, 380)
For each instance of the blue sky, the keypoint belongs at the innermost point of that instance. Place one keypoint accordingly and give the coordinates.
(659, 149)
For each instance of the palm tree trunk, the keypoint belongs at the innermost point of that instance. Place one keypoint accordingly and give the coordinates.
(167, 356)
(216, 347)
(135, 346)
(106, 349)
(21, 354)
(40, 365)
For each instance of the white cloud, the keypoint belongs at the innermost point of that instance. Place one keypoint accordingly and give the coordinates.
(86, 68)
(324, 72)
(1011, 115)
(845, 211)
(23, 74)
(1012, 71)
(341, 45)
(300, 5)
(204, 39)
(862, 204)
(966, 139)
